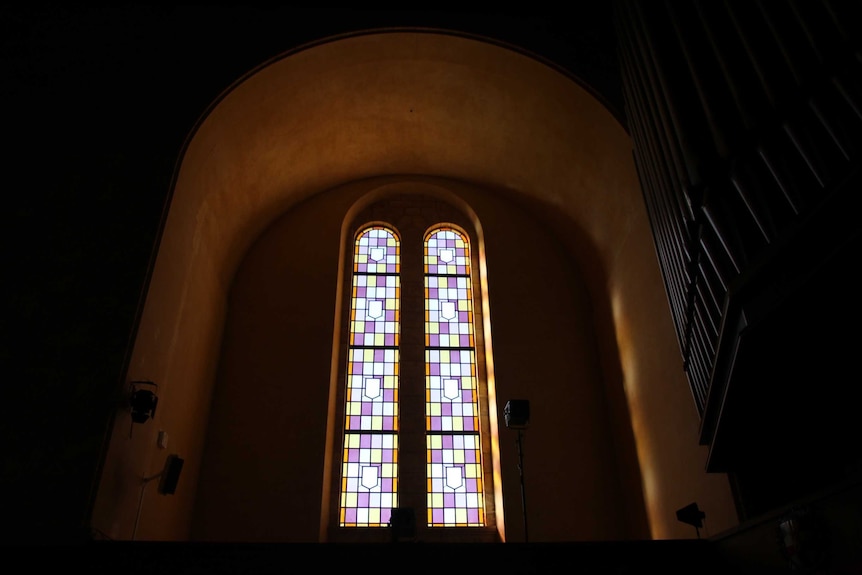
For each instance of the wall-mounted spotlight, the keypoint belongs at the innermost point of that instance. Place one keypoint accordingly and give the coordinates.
(143, 400)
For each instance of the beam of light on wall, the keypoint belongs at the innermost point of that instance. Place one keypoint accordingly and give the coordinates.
(632, 388)
(491, 387)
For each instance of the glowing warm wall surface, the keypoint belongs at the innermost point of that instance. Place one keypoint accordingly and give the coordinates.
(270, 404)
(413, 104)
(661, 408)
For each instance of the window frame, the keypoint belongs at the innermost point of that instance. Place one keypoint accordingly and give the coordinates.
(458, 454)
(370, 441)
(399, 214)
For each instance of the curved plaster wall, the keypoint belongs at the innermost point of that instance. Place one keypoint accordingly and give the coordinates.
(404, 103)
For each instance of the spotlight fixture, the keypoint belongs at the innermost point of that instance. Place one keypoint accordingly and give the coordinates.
(517, 413)
(143, 400)
(691, 515)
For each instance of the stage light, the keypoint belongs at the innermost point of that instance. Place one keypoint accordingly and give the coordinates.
(691, 515)
(143, 400)
(517, 413)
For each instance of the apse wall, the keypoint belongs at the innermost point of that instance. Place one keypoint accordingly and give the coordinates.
(416, 104)
(262, 467)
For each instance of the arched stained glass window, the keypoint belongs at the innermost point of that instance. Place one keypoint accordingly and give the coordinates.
(369, 475)
(414, 380)
(455, 492)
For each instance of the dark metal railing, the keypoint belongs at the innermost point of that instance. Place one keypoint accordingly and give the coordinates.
(744, 116)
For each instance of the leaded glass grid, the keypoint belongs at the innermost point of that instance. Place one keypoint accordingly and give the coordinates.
(451, 399)
(455, 490)
(372, 390)
(369, 476)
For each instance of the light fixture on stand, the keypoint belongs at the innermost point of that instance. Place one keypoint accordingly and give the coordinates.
(691, 515)
(517, 415)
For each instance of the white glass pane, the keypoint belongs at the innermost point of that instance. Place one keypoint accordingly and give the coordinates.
(454, 477)
(450, 388)
(372, 388)
(369, 477)
(447, 309)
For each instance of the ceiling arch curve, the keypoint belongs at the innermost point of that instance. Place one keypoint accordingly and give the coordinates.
(399, 103)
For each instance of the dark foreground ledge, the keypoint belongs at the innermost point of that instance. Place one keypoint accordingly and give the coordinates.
(693, 556)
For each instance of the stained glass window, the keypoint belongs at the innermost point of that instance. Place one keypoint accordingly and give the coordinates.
(455, 491)
(369, 474)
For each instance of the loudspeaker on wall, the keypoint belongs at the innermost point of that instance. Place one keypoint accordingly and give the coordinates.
(171, 474)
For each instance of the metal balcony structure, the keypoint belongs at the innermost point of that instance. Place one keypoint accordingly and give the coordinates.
(746, 121)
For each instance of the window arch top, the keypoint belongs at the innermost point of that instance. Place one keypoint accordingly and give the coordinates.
(377, 251)
(448, 296)
(376, 297)
(447, 252)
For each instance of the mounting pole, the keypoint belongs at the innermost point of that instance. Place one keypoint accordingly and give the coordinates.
(523, 490)
(517, 414)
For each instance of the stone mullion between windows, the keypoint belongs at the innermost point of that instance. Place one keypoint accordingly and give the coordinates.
(412, 454)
